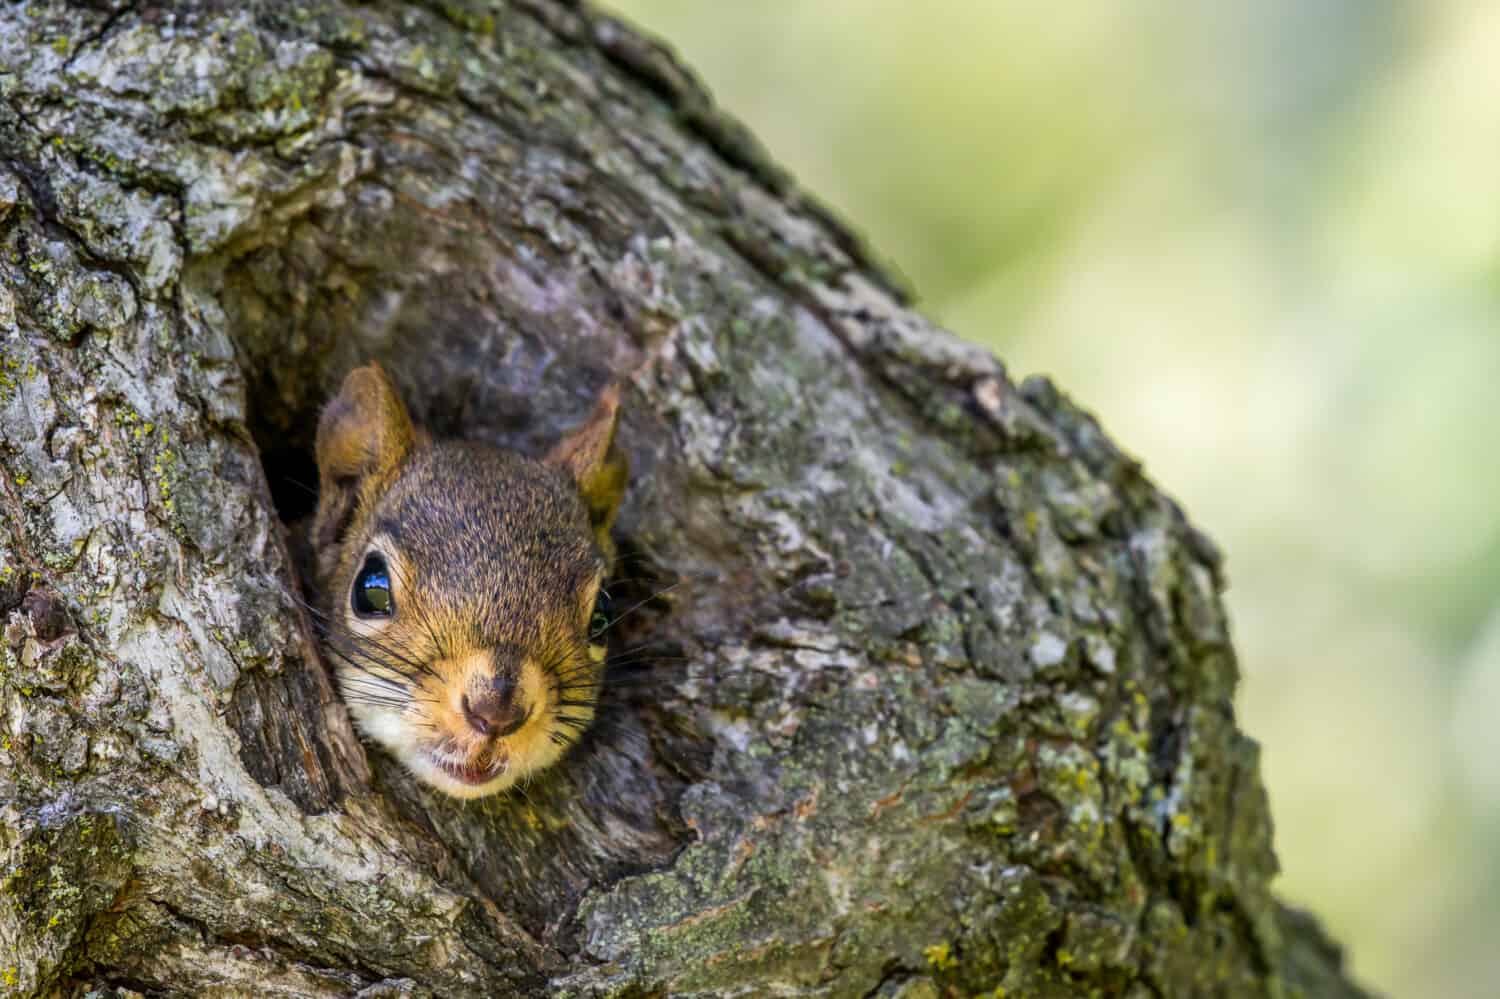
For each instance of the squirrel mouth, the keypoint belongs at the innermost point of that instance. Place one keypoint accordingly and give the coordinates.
(478, 770)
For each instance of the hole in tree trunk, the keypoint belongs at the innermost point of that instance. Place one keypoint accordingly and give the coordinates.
(482, 326)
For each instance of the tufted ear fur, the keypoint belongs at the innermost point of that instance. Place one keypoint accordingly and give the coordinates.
(589, 455)
(363, 434)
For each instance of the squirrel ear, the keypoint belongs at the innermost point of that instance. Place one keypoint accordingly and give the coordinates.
(364, 431)
(589, 455)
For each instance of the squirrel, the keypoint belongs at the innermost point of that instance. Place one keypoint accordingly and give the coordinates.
(461, 586)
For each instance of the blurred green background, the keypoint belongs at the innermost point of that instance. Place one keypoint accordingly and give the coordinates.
(1262, 241)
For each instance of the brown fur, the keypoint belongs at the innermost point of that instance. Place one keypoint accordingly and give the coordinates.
(494, 561)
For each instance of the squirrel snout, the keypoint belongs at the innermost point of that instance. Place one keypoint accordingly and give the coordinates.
(497, 712)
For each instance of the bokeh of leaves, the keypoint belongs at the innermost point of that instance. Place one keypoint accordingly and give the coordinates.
(1260, 239)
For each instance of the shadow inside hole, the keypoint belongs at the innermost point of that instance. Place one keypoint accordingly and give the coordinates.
(287, 460)
(292, 476)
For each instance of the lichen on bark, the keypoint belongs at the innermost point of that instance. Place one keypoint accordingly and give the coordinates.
(930, 690)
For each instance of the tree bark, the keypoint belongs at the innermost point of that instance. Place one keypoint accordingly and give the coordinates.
(929, 691)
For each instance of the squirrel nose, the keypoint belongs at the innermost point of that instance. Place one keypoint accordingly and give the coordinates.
(495, 713)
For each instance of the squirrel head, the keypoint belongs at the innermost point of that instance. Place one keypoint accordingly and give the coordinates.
(460, 586)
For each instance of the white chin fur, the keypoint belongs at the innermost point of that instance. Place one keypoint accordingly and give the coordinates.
(390, 730)
(424, 769)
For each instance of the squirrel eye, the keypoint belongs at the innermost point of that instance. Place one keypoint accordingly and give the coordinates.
(600, 621)
(372, 589)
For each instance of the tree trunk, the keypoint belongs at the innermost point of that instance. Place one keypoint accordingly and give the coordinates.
(929, 691)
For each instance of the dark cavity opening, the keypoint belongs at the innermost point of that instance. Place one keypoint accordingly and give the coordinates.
(292, 475)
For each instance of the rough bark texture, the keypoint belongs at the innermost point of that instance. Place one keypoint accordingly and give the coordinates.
(938, 701)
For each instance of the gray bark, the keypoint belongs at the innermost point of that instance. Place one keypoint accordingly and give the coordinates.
(937, 700)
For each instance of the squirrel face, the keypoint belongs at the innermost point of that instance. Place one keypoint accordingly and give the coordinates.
(460, 586)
